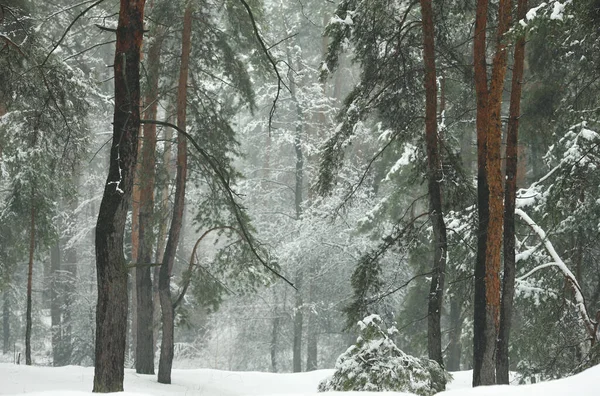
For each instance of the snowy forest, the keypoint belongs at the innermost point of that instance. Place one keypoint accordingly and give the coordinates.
(250, 185)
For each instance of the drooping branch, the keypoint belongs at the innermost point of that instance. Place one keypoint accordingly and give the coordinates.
(224, 183)
(590, 324)
(191, 263)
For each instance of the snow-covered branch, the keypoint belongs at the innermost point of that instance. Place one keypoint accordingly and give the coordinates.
(559, 263)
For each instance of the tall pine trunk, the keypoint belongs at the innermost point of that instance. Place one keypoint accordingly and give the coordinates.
(144, 361)
(28, 320)
(489, 128)
(434, 175)
(56, 295)
(168, 312)
(6, 321)
(111, 269)
(481, 89)
(512, 153)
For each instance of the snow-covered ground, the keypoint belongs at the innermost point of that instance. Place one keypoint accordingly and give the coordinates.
(77, 381)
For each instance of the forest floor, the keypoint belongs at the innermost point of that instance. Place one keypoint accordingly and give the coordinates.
(77, 381)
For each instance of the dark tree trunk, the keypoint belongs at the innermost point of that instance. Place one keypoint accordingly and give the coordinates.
(312, 343)
(162, 232)
(479, 313)
(144, 361)
(274, 342)
(434, 168)
(56, 293)
(6, 322)
(508, 282)
(298, 319)
(168, 312)
(29, 284)
(455, 345)
(111, 269)
(69, 278)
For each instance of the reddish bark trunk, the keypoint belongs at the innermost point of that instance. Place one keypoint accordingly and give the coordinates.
(508, 282)
(434, 333)
(144, 362)
(168, 326)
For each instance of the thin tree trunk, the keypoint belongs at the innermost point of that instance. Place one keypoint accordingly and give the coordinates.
(6, 321)
(111, 309)
(69, 287)
(56, 294)
(298, 319)
(312, 342)
(162, 233)
(144, 361)
(455, 345)
(298, 198)
(274, 341)
(440, 247)
(168, 326)
(29, 283)
(508, 282)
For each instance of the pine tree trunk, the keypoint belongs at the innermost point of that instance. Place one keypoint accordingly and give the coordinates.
(508, 281)
(29, 284)
(162, 233)
(312, 343)
(274, 339)
(479, 313)
(56, 289)
(496, 196)
(111, 309)
(168, 315)
(455, 345)
(144, 361)
(434, 170)
(6, 322)
(69, 288)
(298, 319)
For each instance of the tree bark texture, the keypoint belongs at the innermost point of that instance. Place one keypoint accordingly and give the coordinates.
(144, 361)
(481, 89)
(111, 269)
(30, 283)
(434, 168)
(496, 195)
(168, 311)
(512, 138)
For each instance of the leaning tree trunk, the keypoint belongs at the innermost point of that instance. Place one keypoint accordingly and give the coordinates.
(512, 138)
(434, 165)
(144, 360)
(29, 283)
(111, 269)
(164, 281)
